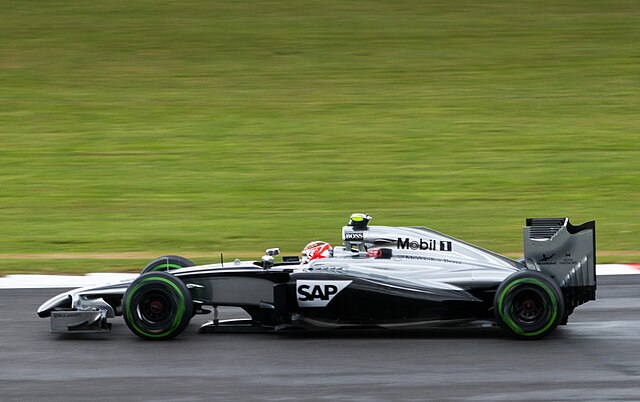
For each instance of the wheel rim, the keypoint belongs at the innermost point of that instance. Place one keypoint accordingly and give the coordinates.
(155, 308)
(528, 306)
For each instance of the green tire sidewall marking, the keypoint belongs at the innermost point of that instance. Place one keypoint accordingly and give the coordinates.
(176, 321)
(165, 265)
(505, 317)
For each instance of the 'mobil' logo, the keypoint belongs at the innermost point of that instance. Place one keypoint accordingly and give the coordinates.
(420, 244)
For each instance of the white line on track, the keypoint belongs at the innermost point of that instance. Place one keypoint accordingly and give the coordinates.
(96, 279)
(617, 269)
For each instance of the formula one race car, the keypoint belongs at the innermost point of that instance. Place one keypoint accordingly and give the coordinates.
(382, 277)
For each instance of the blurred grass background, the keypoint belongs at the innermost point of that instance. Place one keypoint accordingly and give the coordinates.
(198, 127)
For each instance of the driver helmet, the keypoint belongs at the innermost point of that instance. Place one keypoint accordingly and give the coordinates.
(316, 250)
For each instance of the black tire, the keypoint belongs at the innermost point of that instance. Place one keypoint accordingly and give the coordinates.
(157, 306)
(167, 262)
(528, 305)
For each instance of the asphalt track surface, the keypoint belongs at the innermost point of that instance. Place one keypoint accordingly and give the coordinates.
(595, 357)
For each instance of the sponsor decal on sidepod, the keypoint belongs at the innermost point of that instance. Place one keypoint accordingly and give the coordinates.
(318, 293)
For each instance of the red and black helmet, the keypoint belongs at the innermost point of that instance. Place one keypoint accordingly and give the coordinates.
(316, 250)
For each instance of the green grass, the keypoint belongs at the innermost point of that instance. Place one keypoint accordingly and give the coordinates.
(192, 127)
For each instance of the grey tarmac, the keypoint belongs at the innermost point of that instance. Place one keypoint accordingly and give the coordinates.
(595, 357)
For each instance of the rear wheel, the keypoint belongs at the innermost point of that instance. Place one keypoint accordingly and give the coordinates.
(529, 305)
(157, 306)
(166, 263)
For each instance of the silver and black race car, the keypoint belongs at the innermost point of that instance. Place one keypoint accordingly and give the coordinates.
(382, 277)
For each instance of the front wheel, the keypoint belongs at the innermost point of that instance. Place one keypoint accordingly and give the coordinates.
(528, 305)
(157, 306)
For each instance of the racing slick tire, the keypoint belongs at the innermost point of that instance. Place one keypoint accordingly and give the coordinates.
(167, 262)
(157, 306)
(528, 305)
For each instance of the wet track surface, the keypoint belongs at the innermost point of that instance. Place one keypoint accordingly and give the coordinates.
(595, 357)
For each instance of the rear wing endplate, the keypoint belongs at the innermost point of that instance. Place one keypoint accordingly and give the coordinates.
(566, 253)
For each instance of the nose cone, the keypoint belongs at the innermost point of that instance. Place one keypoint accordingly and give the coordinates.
(61, 300)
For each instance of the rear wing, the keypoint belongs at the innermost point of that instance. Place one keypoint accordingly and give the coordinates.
(566, 253)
